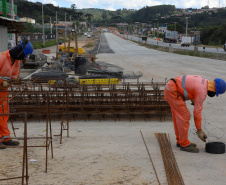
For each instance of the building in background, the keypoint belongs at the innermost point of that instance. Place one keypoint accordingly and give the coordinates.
(8, 9)
(9, 26)
(27, 19)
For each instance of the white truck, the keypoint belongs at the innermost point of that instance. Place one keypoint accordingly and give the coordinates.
(186, 41)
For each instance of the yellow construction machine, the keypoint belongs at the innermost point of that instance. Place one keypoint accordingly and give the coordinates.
(71, 50)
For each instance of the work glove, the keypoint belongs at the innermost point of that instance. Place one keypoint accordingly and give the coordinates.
(202, 135)
(5, 84)
(17, 81)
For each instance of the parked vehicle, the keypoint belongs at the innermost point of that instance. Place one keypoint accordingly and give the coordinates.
(88, 36)
(186, 40)
(224, 47)
(185, 44)
(85, 34)
(170, 36)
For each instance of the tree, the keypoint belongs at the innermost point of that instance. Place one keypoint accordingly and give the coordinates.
(105, 15)
(116, 19)
(176, 26)
(73, 6)
(29, 27)
(89, 17)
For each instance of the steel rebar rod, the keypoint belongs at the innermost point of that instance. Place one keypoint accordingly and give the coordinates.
(150, 158)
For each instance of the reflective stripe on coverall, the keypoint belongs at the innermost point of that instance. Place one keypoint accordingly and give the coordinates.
(7, 72)
(195, 87)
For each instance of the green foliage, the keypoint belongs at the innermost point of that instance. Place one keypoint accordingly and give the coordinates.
(177, 27)
(105, 15)
(34, 11)
(195, 54)
(214, 35)
(29, 27)
(161, 35)
(152, 13)
(208, 19)
(39, 45)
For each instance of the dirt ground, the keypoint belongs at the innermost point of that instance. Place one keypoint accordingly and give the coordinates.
(112, 152)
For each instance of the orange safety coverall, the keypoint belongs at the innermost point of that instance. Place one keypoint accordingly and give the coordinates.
(175, 94)
(7, 72)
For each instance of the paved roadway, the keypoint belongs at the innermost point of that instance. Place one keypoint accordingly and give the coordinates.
(156, 64)
(175, 45)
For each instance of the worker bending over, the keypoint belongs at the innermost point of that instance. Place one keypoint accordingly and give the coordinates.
(194, 88)
(9, 70)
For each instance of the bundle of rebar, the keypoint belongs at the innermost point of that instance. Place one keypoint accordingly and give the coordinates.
(171, 168)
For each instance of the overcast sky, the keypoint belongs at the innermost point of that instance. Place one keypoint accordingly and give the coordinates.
(132, 4)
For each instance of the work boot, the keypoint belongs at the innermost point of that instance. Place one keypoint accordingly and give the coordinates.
(190, 148)
(2, 146)
(192, 144)
(11, 143)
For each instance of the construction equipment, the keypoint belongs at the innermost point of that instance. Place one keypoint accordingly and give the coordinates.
(65, 49)
(68, 49)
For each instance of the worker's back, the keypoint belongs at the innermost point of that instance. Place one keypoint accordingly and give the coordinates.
(196, 86)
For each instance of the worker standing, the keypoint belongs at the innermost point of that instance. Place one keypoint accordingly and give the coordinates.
(194, 88)
(9, 70)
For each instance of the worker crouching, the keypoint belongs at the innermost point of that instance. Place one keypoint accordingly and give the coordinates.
(194, 88)
(9, 71)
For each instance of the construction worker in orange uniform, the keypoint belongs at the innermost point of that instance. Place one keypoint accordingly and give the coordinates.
(9, 70)
(194, 88)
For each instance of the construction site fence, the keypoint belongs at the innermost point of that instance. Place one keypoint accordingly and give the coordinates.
(36, 37)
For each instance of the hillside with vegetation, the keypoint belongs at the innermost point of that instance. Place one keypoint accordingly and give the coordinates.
(211, 24)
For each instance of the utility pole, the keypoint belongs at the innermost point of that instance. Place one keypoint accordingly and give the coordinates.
(186, 26)
(70, 19)
(157, 29)
(65, 27)
(50, 26)
(13, 36)
(43, 29)
(12, 10)
(56, 27)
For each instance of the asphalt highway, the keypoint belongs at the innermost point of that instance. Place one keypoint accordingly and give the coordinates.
(175, 45)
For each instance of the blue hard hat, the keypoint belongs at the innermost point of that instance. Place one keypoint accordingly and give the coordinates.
(60, 42)
(27, 48)
(220, 86)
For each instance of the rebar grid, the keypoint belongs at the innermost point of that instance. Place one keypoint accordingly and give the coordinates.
(90, 101)
(173, 174)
